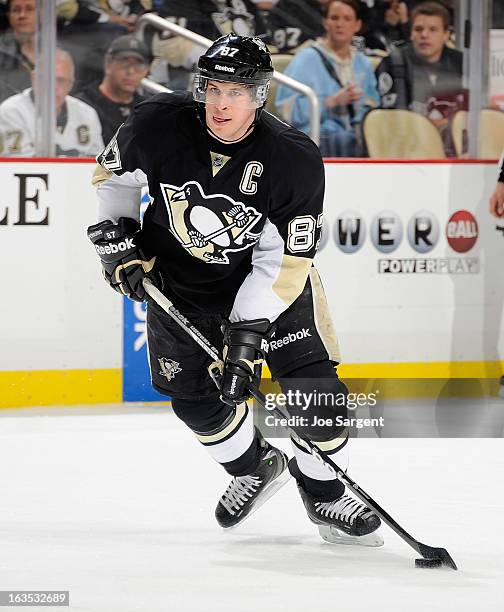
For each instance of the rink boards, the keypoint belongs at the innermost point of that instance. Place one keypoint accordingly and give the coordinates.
(410, 259)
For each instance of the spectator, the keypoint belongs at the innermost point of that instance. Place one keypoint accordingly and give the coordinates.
(78, 126)
(17, 47)
(342, 78)
(293, 23)
(213, 18)
(176, 56)
(86, 28)
(4, 24)
(448, 4)
(386, 24)
(126, 64)
(123, 13)
(425, 75)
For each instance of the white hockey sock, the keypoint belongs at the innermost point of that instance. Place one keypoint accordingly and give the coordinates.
(313, 468)
(233, 439)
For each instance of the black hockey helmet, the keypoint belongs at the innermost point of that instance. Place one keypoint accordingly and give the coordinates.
(236, 59)
(240, 59)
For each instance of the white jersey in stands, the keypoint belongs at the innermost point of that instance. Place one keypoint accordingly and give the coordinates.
(78, 131)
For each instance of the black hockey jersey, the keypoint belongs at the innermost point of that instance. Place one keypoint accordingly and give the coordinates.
(294, 22)
(407, 81)
(235, 227)
(213, 18)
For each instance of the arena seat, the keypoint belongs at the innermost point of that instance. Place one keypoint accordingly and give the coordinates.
(491, 133)
(401, 134)
(280, 62)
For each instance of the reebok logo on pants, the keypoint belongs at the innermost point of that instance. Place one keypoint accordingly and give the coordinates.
(291, 337)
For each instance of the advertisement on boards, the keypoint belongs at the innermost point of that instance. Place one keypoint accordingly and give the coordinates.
(136, 373)
(422, 231)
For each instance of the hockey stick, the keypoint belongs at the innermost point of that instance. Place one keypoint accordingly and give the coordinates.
(213, 235)
(436, 556)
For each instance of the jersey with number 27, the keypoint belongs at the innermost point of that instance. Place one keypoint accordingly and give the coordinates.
(235, 227)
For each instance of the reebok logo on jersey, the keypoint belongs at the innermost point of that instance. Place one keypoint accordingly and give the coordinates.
(291, 337)
(110, 249)
(224, 68)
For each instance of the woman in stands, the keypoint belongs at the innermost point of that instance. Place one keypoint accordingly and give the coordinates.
(342, 78)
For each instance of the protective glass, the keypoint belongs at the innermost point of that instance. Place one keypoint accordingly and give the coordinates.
(130, 63)
(225, 93)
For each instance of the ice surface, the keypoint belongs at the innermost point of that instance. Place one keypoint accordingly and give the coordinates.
(116, 505)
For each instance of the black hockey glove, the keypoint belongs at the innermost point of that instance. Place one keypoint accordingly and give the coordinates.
(124, 264)
(245, 345)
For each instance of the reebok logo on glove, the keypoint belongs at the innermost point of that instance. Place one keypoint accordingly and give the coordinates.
(112, 248)
(234, 380)
(95, 234)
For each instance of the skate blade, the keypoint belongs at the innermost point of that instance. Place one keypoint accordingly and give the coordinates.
(268, 492)
(331, 534)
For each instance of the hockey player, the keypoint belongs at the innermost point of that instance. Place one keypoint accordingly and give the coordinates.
(230, 237)
(497, 197)
(497, 210)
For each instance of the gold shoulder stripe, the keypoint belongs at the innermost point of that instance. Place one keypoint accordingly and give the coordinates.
(292, 277)
(100, 175)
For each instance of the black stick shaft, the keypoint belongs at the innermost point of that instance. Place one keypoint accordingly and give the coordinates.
(339, 473)
(179, 318)
(320, 455)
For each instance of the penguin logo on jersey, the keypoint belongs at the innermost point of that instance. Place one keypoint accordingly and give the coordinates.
(234, 18)
(169, 368)
(209, 227)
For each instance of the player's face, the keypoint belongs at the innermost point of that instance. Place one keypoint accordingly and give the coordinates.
(341, 24)
(125, 72)
(23, 16)
(228, 109)
(429, 37)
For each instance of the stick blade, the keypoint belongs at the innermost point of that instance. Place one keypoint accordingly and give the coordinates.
(441, 554)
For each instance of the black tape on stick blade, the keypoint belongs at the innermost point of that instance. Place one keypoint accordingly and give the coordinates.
(428, 563)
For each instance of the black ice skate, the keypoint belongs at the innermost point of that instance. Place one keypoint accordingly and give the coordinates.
(344, 520)
(245, 494)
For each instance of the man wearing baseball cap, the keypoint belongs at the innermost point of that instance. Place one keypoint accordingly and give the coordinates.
(126, 63)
